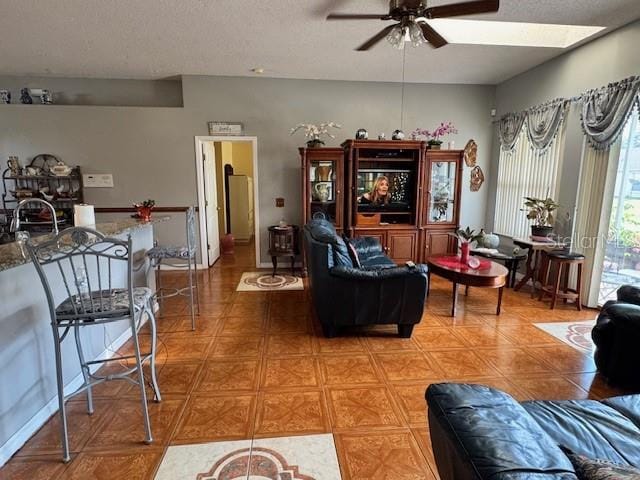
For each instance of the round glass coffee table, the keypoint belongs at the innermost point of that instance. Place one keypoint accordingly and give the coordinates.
(488, 275)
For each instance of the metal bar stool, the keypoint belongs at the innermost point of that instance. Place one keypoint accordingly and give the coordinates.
(80, 264)
(175, 255)
(558, 265)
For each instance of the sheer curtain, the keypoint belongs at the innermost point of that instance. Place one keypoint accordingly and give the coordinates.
(593, 213)
(525, 172)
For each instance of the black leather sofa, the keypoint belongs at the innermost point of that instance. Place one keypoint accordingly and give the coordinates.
(377, 292)
(617, 339)
(481, 433)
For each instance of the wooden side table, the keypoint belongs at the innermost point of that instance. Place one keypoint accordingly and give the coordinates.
(283, 242)
(534, 260)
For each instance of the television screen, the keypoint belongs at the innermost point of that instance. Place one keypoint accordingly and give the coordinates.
(384, 190)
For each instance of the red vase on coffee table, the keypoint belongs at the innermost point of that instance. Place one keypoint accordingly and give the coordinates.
(464, 252)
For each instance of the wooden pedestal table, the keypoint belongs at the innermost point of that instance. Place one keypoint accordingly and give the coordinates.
(283, 242)
(488, 275)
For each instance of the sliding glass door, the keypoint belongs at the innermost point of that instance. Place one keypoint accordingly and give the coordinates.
(621, 263)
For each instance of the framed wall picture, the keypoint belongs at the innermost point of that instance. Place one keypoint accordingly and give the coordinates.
(225, 128)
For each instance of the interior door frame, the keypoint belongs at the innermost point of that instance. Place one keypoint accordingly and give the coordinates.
(202, 217)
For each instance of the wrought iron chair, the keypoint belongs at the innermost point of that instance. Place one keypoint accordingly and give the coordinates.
(179, 256)
(81, 272)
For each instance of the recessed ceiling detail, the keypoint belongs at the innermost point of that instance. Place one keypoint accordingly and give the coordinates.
(515, 34)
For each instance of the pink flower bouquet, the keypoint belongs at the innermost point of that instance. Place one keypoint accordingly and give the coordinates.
(433, 138)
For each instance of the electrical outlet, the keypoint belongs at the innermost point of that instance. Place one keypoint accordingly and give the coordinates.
(279, 202)
(97, 180)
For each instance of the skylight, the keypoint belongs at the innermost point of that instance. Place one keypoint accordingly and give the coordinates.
(517, 34)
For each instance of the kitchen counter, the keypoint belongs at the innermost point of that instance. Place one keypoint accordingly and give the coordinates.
(14, 254)
(28, 374)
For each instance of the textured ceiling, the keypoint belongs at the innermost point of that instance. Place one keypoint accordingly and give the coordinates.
(288, 38)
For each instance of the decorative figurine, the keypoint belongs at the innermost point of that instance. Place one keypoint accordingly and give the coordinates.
(5, 96)
(25, 98)
(46, 98)
(397, 135)
(14, 166)
(382, 136)
(362, 134)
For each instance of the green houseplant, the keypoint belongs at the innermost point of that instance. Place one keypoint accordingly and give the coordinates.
(541, 211)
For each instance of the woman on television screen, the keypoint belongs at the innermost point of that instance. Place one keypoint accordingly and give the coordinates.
(379, 194)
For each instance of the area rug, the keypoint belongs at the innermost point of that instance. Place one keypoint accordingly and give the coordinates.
(307, 457)
(575, 334)
(261, 281)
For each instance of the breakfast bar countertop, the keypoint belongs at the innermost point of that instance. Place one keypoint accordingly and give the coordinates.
(14, 254)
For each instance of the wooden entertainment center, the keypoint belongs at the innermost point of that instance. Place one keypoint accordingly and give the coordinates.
(422, 203)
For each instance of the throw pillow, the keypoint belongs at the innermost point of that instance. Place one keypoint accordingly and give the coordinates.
(596, 469)
(353, 253)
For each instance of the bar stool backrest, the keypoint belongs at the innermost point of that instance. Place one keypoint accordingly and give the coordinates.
(191, 230)
(89, 266)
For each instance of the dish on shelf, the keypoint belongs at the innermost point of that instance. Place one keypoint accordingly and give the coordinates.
(22, 193)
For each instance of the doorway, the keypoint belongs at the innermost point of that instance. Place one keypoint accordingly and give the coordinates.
(226, 169)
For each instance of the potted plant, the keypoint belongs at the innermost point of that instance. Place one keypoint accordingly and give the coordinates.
(433, 138)
(144, 209)
(541, 211)
(314, 132)
(466, 237)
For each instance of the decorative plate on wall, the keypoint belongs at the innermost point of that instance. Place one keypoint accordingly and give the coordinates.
(470, 153)
(477, 178)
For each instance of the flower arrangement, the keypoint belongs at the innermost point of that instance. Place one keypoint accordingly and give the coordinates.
(433, 138)
(144, 209)
(313, 132)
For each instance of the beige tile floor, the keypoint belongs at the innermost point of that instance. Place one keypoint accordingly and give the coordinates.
(257, 367)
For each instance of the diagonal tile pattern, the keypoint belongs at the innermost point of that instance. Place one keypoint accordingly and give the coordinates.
(258, 368)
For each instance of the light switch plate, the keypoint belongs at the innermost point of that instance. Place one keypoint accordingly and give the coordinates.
(97, 180)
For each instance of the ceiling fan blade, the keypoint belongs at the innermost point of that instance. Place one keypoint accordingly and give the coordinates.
(434, 38)
(357, 16)
(464, 8)
(376, 38)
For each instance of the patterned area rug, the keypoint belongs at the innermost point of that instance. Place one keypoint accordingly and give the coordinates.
(576, 334)
(260, 281)
(309, 457)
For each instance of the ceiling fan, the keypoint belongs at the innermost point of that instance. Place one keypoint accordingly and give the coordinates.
(411, 16)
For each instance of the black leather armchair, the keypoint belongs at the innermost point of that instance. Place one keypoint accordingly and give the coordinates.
(377, 293)
(481, 433)
(617, 338)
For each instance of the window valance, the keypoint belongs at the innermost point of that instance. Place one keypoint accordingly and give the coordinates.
(605, 111)
(543, 123)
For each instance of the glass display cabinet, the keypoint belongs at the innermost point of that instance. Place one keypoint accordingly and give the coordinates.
(441, 201)
(323, 178)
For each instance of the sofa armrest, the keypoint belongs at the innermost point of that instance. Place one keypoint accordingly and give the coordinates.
(480, 433)
(377, 274)
(366, 245)
(629, 294)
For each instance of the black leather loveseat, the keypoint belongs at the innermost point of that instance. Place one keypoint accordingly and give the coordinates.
(481, 433)
(617, 339)
(377, 292)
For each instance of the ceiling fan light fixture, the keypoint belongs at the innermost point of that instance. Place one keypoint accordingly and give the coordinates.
(396, 37)
(415, 35)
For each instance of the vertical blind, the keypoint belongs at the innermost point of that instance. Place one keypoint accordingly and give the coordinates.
(523, 172)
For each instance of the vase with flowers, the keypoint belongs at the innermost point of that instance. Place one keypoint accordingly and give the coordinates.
(466, 237)
(314, 132)
(433, 137)
(143, 209)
